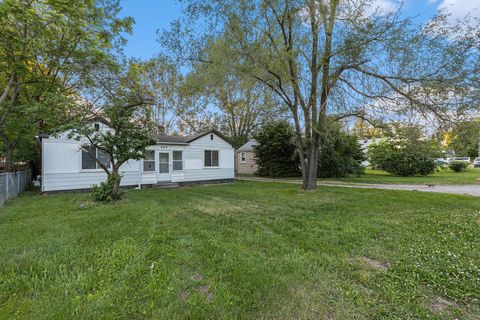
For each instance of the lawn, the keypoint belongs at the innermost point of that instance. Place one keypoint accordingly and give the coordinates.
(246, 250)
(443, 176)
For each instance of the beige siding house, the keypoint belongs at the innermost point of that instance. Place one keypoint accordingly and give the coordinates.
(246, 159)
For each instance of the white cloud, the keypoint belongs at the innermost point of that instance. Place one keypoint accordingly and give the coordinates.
(431, 1)
(382, 7)
(459, 9)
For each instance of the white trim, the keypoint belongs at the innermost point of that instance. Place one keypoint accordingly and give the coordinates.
(243, 157)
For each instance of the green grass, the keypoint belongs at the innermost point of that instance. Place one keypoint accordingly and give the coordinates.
(443, 176)
(245, 250)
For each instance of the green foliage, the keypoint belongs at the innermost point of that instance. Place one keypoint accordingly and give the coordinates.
(275, 151)
(105, 191)
(458, 166)
(340, 155)
(465, 138)
(405, 153)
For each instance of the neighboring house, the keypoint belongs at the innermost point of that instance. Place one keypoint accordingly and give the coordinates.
(246, 158)
(201, 157)
(365, 144)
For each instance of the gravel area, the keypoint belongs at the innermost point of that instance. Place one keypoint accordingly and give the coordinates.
(469, 189)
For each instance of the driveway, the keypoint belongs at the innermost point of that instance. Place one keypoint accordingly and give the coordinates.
(468, 189)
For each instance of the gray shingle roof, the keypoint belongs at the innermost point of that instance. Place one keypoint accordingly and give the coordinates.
(168, 139)
(247, 147)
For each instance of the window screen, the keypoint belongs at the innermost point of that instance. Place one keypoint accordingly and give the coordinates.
(177, 160)
(211, 158)
(149, 161)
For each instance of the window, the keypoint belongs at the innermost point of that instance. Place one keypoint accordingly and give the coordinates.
(211, 158)
(177, 160)
(211, 136)
(164, 166)
(243, 157)
(89, 153)
(149, 161)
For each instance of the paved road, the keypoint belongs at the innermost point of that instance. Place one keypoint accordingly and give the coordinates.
(469, 189)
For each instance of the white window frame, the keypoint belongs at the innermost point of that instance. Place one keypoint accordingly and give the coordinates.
(181, 160)
(154, 162)
(211, 167)
(243, 157)
(97, 166)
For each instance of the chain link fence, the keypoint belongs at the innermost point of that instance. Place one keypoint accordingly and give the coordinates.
(12, 184)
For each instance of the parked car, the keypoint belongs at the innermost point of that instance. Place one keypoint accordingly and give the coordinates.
(462, 159)
(441, 161)
(476, 162)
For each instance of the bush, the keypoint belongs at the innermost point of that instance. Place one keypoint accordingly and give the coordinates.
(275, 151)
(105, 191)
(458, 166)
(340, 155)
(397, 157)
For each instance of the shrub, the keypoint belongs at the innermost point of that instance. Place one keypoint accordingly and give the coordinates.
(275, 151)
(458, 166)
(405, 154)
(340, 155)
(105, 191)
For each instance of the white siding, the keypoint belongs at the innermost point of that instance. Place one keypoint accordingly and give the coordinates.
(62, 164)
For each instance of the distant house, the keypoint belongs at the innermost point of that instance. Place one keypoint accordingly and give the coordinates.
(206, 156)
(246, 158)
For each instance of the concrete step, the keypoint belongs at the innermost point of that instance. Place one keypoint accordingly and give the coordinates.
(165, 185)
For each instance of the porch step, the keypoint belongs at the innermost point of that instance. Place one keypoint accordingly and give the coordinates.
(165, 185)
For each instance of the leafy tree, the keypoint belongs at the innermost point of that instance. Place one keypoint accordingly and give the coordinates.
(275, 151)
(162, 78)
(123, 110)
(328, 59)
(48, 50)
(465, 138)
(458, 166)
(340, 155)
(242, 103)
(406, 153)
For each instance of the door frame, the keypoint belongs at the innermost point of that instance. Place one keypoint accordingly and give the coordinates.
(164, 177)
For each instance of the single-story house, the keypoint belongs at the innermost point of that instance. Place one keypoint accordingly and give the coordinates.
(246, 163)
(205, 156)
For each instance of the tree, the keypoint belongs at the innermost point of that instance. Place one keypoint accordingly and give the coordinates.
(124, 110)
(340, 155)
(161, 77)
(465, 138)
(275, 151)
(48, 49)
(243, 103)
(407, 152)
(327, 60)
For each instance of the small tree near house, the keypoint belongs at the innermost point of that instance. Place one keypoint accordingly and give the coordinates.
(118, 131)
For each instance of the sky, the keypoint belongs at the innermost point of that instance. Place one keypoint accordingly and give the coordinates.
(153, 15)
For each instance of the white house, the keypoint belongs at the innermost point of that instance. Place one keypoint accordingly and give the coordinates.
(206, 156)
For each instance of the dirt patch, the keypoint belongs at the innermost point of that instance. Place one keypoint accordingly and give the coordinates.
(376, 264)
(205, 291)
(440, 305)
(197, 277)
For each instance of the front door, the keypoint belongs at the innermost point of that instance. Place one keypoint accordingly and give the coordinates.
(164, 166)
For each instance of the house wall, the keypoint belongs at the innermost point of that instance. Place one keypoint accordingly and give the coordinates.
(250, 166)
(62, 165)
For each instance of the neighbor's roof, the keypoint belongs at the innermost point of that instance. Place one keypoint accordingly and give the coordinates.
(168, 139)
(247, 146)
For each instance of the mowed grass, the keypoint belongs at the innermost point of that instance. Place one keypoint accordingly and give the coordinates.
(442, 176)
(247, 250)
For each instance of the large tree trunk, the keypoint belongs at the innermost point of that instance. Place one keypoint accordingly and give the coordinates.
(9, 164)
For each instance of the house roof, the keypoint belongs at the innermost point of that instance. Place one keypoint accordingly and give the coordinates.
(168, 139)
(247, 147)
